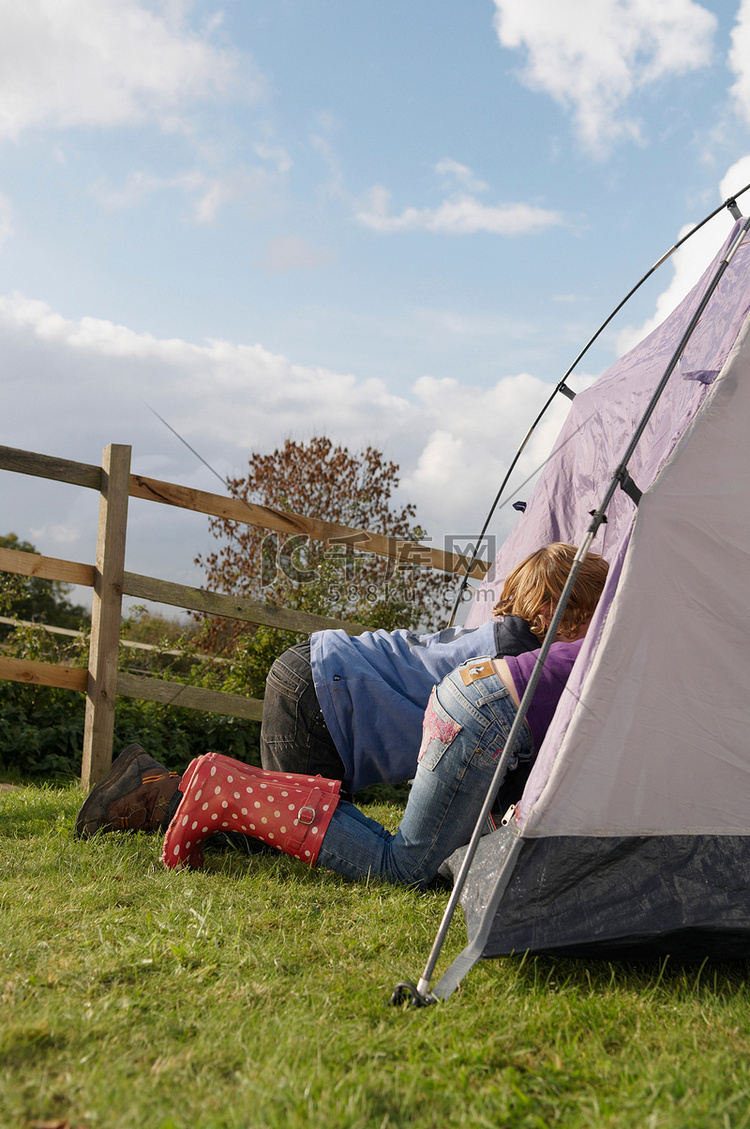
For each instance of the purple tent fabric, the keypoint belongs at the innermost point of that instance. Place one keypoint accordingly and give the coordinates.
(592, 443)
(602, 420)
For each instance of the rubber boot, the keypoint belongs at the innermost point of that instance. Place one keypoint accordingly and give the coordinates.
(289, 811)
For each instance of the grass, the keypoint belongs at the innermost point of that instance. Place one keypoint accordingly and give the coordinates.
(254, 993)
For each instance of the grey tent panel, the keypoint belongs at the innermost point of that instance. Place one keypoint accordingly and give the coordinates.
(683, 895)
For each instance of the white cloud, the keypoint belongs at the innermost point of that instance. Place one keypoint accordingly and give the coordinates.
(453, 441)
(735, 179)
(335, 187)
(460, 215)
(61, 536)
(475, 433)
(472, 327)
(691, 260)
(67, 63)
(739, 59)
(257, 188)
(591, 55)
(139, 186)
(276, 155)
(452, 170)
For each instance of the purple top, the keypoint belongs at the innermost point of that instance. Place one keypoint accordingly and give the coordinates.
(550, 686)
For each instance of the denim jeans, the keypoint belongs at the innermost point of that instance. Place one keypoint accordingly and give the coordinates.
(294, 736)
(466, 725)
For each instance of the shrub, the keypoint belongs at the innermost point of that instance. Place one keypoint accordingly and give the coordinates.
(41, 728)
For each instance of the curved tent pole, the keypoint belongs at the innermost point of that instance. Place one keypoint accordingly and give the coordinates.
(731, 205)
(421, 994)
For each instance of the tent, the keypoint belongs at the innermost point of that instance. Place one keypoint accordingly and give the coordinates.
(633, 833)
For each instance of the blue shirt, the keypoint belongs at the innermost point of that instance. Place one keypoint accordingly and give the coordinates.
(373, 689)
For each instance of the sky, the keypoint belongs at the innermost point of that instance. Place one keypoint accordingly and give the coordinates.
(394, 224)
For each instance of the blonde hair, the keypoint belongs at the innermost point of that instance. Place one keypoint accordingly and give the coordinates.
(533, 589)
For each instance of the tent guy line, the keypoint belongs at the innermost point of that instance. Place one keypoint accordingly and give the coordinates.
(192, 450)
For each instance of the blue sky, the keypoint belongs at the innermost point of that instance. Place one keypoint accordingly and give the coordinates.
(392, 223)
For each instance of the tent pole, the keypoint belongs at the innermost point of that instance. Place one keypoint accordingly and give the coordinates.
(621, 476)
(469, 956)
(422, 994)
(423, 988)
(731, 205)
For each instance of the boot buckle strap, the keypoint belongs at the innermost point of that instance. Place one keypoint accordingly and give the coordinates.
(306, 815)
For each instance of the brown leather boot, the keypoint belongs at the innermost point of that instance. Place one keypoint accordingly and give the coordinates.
(133, 797)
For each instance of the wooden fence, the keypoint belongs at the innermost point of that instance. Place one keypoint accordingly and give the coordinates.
(103, 681)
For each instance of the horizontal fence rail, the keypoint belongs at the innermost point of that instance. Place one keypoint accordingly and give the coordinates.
(161, 591)
(176, 595)
(43, 674)
(102, 681)
(50, 629)
(134, 686)
(249, 513)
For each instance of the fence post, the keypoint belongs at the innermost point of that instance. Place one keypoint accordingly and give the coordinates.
(106, 614)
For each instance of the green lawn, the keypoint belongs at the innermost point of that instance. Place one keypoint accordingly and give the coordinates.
(255, 993)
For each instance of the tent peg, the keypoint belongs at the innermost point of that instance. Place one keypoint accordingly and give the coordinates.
(406, 992)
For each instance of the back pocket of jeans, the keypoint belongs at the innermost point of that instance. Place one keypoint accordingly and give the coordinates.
(285, 680)
(439, 731)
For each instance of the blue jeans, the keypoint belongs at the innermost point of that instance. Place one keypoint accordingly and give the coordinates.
(466, 725)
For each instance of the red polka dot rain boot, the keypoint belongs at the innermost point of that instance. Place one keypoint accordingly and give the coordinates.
(288, 811)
